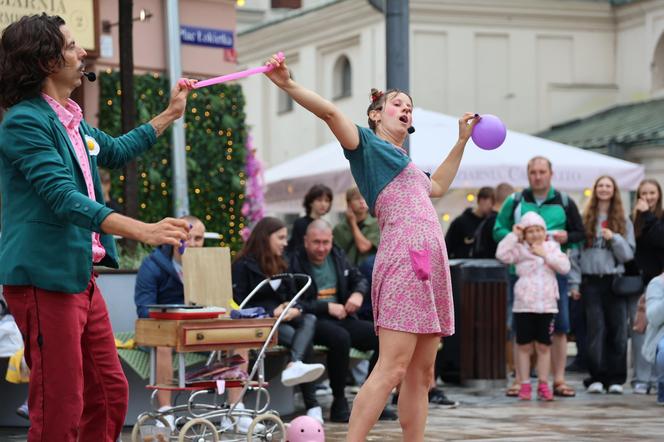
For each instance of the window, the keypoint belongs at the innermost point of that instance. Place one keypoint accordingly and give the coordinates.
(658, 66)
(342, 78)
(284, 101)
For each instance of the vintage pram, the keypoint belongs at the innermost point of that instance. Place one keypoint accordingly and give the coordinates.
(200, 420)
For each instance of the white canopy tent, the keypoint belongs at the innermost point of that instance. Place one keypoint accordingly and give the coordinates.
(574, 169)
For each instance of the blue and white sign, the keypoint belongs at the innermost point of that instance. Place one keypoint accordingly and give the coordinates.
(216, 38)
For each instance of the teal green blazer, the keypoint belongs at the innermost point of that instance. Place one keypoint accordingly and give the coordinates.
(47, 217)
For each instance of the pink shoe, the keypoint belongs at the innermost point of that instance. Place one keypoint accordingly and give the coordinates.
(525, 392)
(543, 392)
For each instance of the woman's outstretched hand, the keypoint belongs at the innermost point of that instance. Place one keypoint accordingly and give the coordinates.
(466, 124)
(279, 75)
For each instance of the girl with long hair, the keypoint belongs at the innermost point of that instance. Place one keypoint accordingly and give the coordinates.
(649, 231)
(608, 246)
(260, 258)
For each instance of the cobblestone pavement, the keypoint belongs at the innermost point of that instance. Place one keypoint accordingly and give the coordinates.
(487, 415)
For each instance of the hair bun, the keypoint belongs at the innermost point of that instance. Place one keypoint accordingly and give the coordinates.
(375, 94)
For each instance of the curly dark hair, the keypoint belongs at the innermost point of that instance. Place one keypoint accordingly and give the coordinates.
(30, 50)
(316, 191)
(378, 99)
(258, 246)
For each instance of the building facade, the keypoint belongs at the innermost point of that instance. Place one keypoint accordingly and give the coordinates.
(535, 63)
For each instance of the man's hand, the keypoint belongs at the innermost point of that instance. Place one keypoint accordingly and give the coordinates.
(350, 216)
(560, 236)
(575, 294)
(178, 102)
(167, 231)
(336, 310)
(354, 303)
(176, 106)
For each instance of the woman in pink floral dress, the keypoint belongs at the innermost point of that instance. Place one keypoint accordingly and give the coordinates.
(412, 293)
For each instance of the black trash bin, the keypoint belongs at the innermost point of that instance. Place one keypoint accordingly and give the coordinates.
(476, 353)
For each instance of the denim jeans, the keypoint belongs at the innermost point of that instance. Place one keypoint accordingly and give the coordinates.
(644, 371)
(606, 323)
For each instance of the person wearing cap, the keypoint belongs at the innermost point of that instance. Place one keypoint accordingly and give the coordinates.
(535, 296)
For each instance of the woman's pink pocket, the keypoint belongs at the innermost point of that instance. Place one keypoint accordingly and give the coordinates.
(420, 260)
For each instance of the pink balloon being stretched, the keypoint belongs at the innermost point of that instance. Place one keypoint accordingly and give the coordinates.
(238, 75)
(489, 133)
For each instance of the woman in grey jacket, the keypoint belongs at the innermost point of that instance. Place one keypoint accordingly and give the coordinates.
(609, 244)
(653, 347)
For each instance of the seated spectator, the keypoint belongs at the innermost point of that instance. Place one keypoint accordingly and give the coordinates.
(317, 203)
(460, 237)
(260, 258)
(335, 295)
(358, 236)
(159, 281)
(653, 347)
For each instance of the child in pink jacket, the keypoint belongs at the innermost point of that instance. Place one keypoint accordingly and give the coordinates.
(535, 296)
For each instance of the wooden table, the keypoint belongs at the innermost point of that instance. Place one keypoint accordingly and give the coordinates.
(201, 335)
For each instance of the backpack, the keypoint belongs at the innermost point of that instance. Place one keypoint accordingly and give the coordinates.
(480, 246)
(517, 199)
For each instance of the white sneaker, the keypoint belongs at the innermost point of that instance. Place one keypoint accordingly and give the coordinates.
(615, 389)
(316, 413)
(169, 418)
(243, 422)
(226, 423)
(640, 388)
(595, 388)
(301, 373)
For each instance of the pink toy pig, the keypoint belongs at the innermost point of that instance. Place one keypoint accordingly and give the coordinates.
(305, 429)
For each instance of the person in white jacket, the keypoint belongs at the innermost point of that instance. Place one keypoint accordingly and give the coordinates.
(535, 296)
(653, 346)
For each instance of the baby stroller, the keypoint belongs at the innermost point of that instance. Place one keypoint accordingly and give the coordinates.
(212, 420)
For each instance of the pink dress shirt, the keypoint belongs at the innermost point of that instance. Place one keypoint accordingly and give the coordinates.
(70, 116)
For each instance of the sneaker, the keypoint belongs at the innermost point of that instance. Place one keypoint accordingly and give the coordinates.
(243, 422)
(615, 389)
(23, 411)
(387, 415)
(323, 389)
(437, 397)
(595, 388)
(525, 392)
(169, 418)
(640, 388)
(316, 413)
(339, 411)
(543, 392)
(301, 373)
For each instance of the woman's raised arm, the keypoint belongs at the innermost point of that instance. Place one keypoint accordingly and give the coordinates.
(341, 126)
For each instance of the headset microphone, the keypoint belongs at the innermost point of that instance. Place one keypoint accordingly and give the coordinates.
(411, 129)
(91, 76)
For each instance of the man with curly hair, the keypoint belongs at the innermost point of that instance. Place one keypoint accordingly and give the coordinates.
(55, 227)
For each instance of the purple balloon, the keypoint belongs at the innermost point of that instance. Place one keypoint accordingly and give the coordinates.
(489, 133)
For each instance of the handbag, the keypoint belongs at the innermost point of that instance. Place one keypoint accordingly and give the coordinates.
(629, 283)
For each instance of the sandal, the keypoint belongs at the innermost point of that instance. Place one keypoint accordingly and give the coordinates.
(563, 390)
(513, 390)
